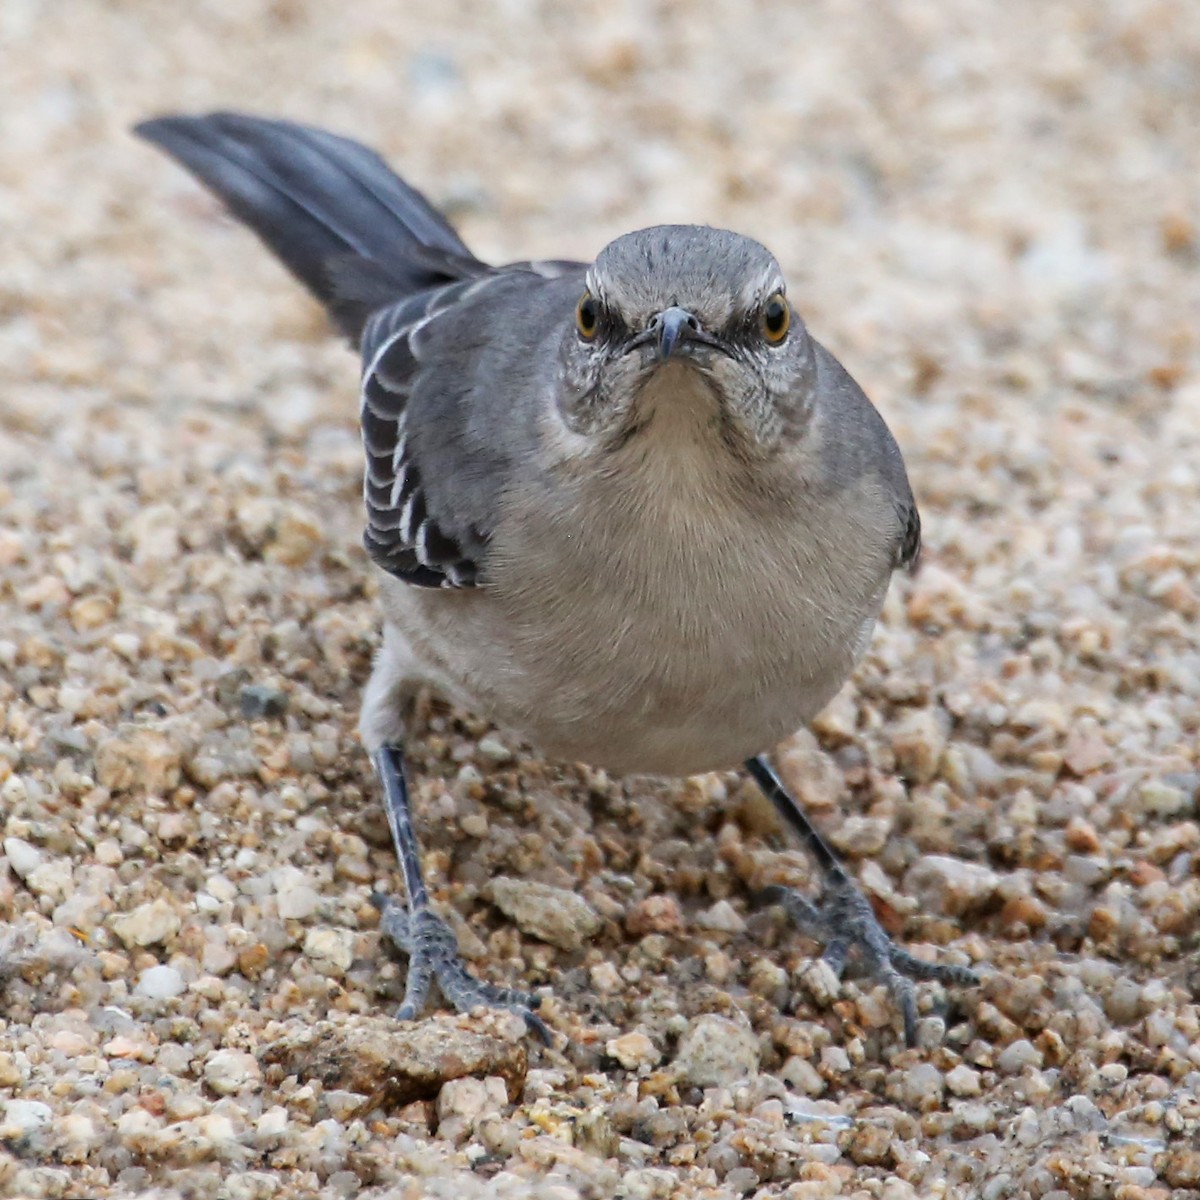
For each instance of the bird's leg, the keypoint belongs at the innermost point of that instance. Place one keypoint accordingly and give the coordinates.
(427, 940)
(843, 918)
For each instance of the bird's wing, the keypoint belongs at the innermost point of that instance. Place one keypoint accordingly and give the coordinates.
(448, 396)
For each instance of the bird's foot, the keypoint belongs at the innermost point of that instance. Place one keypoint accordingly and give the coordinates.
(433, 955)
(845, 922)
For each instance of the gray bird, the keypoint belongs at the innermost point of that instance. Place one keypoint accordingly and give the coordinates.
(629, 510)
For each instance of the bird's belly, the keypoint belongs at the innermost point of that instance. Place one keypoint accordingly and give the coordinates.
(688, 671)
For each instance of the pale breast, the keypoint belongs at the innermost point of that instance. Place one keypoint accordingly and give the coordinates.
(670, 627)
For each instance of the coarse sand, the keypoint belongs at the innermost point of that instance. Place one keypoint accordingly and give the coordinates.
(989, 212)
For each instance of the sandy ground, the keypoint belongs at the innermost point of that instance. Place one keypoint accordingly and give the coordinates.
(989, 213)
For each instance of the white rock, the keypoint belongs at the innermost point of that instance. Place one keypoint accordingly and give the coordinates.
(298, 902)
(230, 1071)
(153, 922)
(22, 857)
(1018, 1055)
(717, 1051)
(466, 1098)
(722, 918)
(963, 1081)
(331, 951)
(633, 1050)
(51, 879)
(23, 1118)
(923, 1086)
(950, 886)
(273, 1123)
(493, 750)
(160, 983)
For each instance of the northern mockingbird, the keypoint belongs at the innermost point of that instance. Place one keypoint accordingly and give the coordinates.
(630, 509)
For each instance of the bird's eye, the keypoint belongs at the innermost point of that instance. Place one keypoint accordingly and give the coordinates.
(587, 316)
(776, 317)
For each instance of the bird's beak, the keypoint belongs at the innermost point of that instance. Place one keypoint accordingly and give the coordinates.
(671, 327)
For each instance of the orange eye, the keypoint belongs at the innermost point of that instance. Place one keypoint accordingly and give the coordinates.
(776, 318)
(587, 316)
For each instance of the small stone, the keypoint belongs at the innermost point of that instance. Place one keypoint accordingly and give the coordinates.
(918, 741)
(412, 1062)
(331, 951)
(811, 774)
(10, 1073)
(555, 915)
(295, 536)
(231, 1071)
(1123, 1004)
(257, 700)
(861, 837)
(923, 1087)
(90, 612)
(493, 750)
(722, 917)
(1162, 799)
(71, 1043)
(272, 1125)
(160, 983)
(633, 1050)
(870, 1145)
(23, 1118)
(950, 886)
(155, 921)
(298, 902)
(138, 757)
(716, 1051)
(23, 857)
(51, 879)
(252, 960)
(1182, 1167)
(654, 914)
(1018, 1055)
(963, 1081)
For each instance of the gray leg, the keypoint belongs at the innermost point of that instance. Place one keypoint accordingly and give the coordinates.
(843, 919)
(427, 940)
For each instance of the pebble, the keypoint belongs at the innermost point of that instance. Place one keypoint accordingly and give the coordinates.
(964, 1081)
(330, 951)
(23, 857)
(493, 750)
(923, 1087)
(139, 758)
(153, 922)
(950, 886)
(230, 1071)
(722, 917)
(298, 902)
(160, 983)
(413, 1061)
(716, 1051)
(1018, 1055)
(24, 1118)
(562, 918)
(633, 1050)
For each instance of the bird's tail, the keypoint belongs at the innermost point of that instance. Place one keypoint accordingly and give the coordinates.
(354, 233)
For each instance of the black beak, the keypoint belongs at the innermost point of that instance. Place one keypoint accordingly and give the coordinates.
(672, 326)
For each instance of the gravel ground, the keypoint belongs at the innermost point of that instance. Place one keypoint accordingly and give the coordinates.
(989, 213)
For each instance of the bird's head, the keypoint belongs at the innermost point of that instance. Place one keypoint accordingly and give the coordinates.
(686, 317)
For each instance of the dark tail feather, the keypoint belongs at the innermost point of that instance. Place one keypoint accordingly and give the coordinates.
(354, 233)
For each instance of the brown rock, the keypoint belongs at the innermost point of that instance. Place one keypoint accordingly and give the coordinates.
(138, 756)
(393, 1063)
(654, 914)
